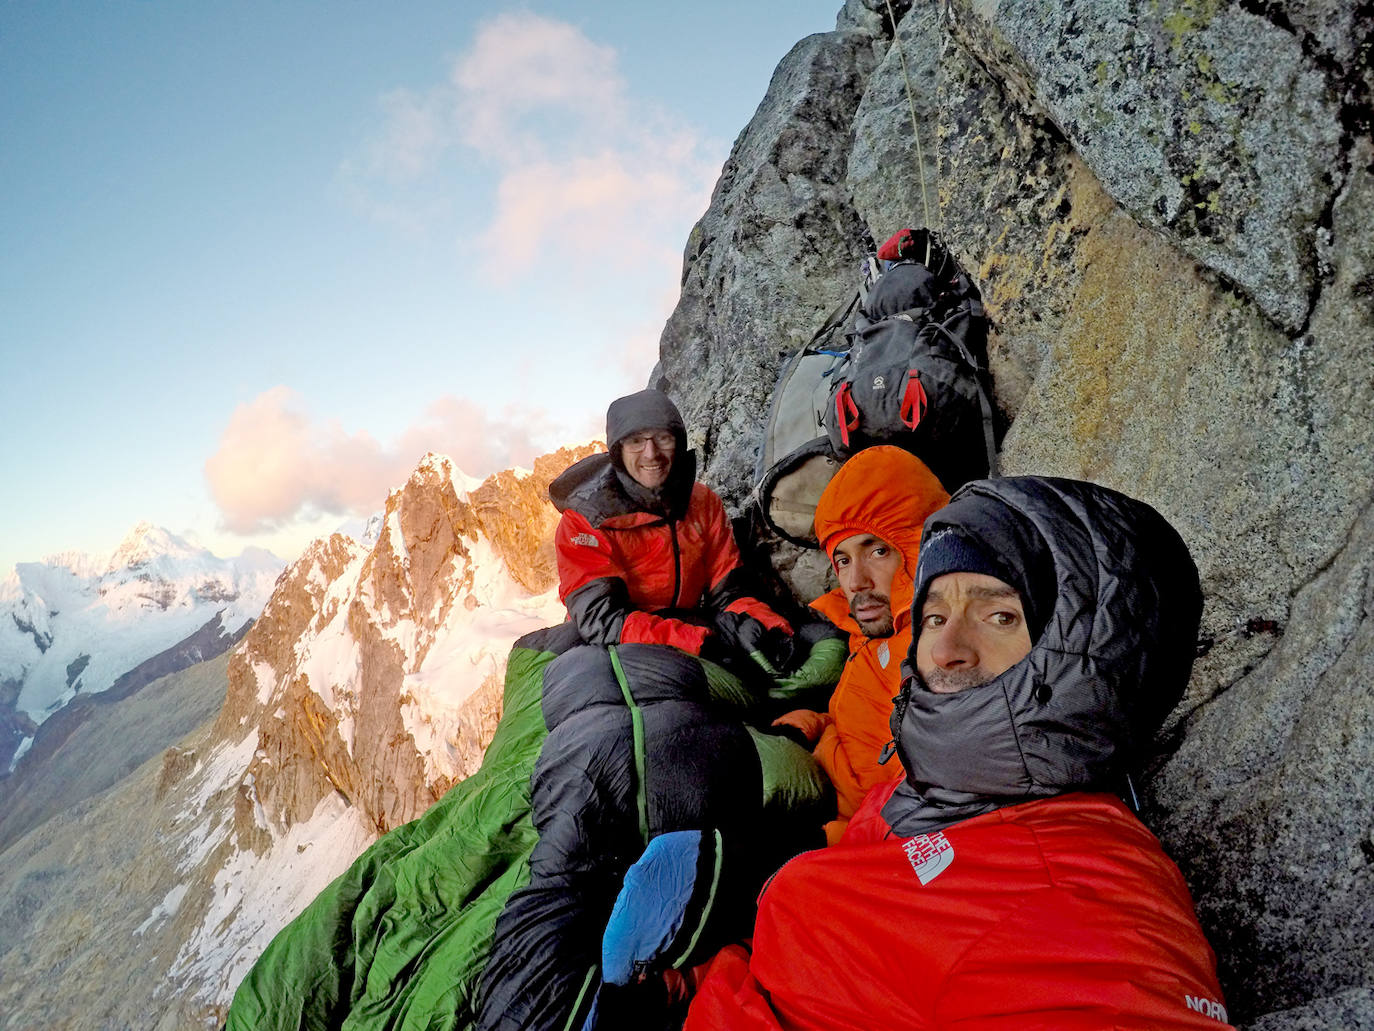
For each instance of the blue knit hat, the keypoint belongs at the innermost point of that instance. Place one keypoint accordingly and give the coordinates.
(952, 549)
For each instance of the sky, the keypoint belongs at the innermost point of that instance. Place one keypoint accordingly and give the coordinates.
(257, 258)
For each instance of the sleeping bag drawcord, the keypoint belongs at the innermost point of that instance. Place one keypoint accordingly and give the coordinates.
(582, 999)
(637, 728)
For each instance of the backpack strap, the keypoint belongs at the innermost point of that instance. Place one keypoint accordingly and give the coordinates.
(847, 413)
(837, 317)
(872, 271)
(914, 401)
(985, 402)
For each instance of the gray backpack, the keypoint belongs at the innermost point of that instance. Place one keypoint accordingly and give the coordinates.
(910, 369)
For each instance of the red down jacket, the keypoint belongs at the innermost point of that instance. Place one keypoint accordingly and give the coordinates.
(619, 565)
(1061, 914)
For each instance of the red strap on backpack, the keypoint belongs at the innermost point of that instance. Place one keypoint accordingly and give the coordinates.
(914, 401)
(846, 412)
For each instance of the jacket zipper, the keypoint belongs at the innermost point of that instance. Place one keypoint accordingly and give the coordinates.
(677, 562)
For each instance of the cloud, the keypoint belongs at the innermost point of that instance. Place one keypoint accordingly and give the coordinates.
(597, 209)
(275, 464)
(414, 137)
(522, 72)
(580, 173)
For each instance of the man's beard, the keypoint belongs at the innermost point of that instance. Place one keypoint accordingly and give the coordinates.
(881, 627)
(946, 681)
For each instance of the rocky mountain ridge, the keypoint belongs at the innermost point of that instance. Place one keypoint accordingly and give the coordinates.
(377, 673)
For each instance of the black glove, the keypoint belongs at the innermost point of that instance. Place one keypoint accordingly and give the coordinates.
(714, 649)
(771, 649)
(780, 649)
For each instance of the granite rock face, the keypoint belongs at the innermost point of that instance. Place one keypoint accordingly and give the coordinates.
(1204, 120)
(761, 267)
(1165, 205)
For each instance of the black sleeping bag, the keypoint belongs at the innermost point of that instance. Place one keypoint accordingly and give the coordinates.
(639, 744)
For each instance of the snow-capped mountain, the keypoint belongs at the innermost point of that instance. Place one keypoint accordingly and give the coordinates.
(370, 683)
(74, 623)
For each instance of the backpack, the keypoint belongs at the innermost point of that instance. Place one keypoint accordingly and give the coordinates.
(910, 371)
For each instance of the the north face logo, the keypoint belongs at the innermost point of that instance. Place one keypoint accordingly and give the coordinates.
(929, 855)
(585, 539)
(1207, 1007)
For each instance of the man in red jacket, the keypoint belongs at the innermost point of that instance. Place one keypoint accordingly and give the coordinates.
(1002, 884)
(646, 555)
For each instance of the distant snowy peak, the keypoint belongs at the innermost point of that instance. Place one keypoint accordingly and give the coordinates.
(78, 563)
(74, 624)
(147, 545)
(154, 568)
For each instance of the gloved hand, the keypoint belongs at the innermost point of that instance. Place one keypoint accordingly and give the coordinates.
(714, 649)
(771, 649)
(779, 648)
(811, 724)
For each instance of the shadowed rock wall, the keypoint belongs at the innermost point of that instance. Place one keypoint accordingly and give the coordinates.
(1166, 205)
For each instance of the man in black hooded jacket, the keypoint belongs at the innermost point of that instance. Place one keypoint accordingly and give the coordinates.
(1003, 884)
(646, 555)
(643, 739)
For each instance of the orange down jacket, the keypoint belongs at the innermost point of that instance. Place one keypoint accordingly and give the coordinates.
(886, 492)
(1062, 914)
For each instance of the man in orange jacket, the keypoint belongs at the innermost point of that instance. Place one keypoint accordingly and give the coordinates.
(869, 523)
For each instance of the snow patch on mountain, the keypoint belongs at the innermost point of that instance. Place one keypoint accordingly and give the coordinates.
(24, 746)
(330, 658)
(254, 896)
(164, 910)
(207, 826)
(469, 650)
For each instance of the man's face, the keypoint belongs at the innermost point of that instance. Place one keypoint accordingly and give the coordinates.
(648, 456)
(973, 628)
(865, 566)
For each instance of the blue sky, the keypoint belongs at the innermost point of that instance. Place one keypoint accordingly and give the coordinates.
(259, 257)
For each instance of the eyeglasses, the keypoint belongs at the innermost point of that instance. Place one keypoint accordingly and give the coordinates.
(637, 442)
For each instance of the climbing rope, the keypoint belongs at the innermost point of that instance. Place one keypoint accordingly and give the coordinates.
(915, 132)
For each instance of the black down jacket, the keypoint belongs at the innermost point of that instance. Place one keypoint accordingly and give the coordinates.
(1119, 598)
(637, 746)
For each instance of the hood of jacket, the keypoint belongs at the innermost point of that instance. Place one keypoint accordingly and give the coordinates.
(636, 413)
(886, 492)
(598, 490)
(1120, 602)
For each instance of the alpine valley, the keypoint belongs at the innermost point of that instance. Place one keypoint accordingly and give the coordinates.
(76, 631)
